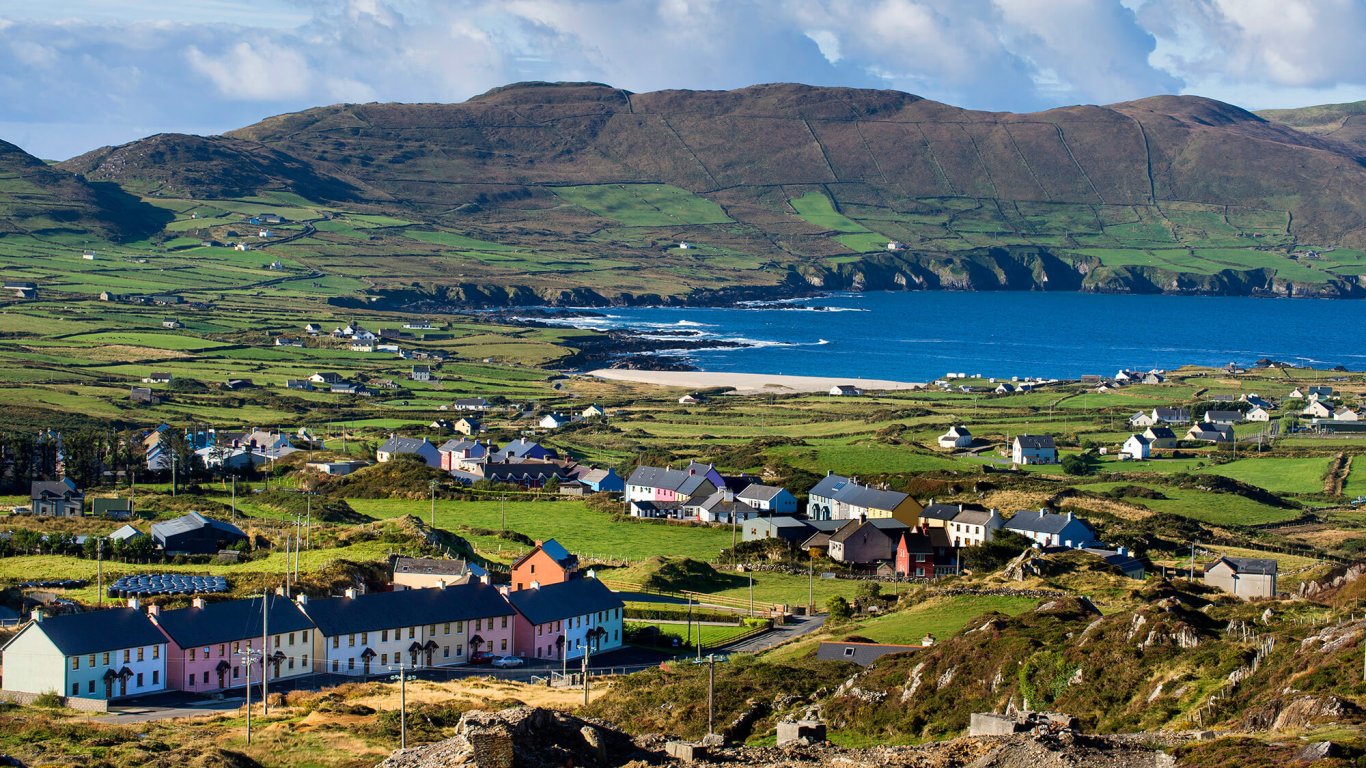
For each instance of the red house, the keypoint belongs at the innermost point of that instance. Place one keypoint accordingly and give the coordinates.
(915, 556)
(549, 563)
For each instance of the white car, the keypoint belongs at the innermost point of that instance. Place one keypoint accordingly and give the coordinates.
(507, 662)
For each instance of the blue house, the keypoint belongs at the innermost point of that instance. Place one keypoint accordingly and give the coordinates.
(1050, 529)
(603, 481)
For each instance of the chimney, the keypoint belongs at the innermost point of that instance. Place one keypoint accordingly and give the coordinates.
(153, 610)
(1042, 512)
(486, 579)
(37, 614)
(197, 602)
(350, 593)
(301, 599)
(440, 583)
(535, 584)
(1069, 515)
(863, 517)
(134, 603)
(282, 591)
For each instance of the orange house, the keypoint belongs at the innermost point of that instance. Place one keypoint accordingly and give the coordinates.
(548, 563)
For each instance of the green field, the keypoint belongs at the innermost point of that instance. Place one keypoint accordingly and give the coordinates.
(1281, 475)
(817, 209)
(645, 205)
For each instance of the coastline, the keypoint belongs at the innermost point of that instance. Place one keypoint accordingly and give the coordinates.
(746, 383)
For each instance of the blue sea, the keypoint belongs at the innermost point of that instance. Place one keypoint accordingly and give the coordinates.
(913, 336)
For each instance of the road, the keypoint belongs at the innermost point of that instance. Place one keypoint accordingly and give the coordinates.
(790, 631)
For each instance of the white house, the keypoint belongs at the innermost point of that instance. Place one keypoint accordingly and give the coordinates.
(1142, 419)
(1258, 413)
(958, 436)
(421, 373)
(770, 499)
(1346, 414)
(1034, 449)
(109, 654)
(420, 447)
(1317, 409)
(845, 390)
(553, 421)
(1137, 447)
(971, 527)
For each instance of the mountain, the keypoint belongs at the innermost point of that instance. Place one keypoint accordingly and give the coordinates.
(1345, 123)
(37, 199)
(782, 188)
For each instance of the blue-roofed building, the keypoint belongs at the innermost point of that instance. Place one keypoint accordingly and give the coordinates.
(1051, 529)
(195, 534)
(362, 635)
(109, 654)
(566, 620)
(207, 642)
(522, 449)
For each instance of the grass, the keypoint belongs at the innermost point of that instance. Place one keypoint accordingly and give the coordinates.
(940, 616)
(644, 205)
(710, 635)
(1279, 475)
(817, 209)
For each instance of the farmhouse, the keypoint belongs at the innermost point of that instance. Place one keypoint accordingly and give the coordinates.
(719, 507)
(1033, 449)
(470, 404)
(553, 421)
(594, 411)
(361, 634)
(1142, 419)
(421, 373)
(1346, 414)
(1211, 433)
(1050, 529)
(157, 378)
(1245, 577)
(971, 527)
(208, 642)
(567, 620)
(1160, 437)
(432, 573)
(300, 384)
(1224, 417)
(336, 468)
(1171, 415)
(1137, 447)
(1258, 413)
(1119, 559)
(109, 654)
(862, 654)
(789, 529)
(195, 534)
(958, 436)
(845, 390)
(56, 499)
(408, 446)
(837, 497)
(461, 453)
(325, 377)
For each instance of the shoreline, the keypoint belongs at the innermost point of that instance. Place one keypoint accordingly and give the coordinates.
(746, 383)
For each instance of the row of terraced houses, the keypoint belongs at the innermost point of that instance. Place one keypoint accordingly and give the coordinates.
(551, 611)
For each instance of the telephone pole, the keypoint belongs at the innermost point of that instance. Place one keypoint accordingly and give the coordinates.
(99, 570)
(402, 706)
(711, 693)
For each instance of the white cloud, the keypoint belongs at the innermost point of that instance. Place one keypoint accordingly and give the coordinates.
(828, 43)
(256, 71)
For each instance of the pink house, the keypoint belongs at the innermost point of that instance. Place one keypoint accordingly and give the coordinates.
(673, 485)
(562, 621)
(209, 643)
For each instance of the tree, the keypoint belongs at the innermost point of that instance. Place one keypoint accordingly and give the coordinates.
(1078, 464)
(838, 610)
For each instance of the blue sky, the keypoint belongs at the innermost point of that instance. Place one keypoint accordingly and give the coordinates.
(79, 74)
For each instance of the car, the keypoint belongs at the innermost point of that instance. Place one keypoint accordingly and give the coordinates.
(480, 658)
(507, 662)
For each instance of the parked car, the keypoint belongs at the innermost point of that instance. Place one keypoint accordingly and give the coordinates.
(480, 658)
(507, 662)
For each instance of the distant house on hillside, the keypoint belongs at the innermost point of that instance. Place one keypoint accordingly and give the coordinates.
(1137, 447)
(845, 390)
(1224, 417)
(408, 446)
(1160, 437)
(1034, 449)
(60, 498)
(770, 499)
(553, 421)
(421, 373)
(1210, 433)
(195, 534)
(1050, 529)
(1258, 413)
(1171, 415)
(1142, 419)
(1317, 409)
(958, 436)
(1245, 577)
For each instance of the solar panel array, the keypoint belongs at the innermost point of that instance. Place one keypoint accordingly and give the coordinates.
(146, 585)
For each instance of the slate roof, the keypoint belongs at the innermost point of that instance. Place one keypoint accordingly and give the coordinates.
(412, 607)
(192, 522)
(124, 533)
(677, 480)
(1252, 566)
(941, 512)
(1125, 563)
(576, 597)
(519, 448)
(845, 490)
(230, 620)
(1041, 522)
(431, 566)
(1223, 416)
(403, 444)
(969, 516)
(1172, 414)
(1035, 441)
(759, 492)
(786, 521)
(848, 530)
(863, 654)
(77, 634)
(457, 444)
(42, 489)
(1161, 433)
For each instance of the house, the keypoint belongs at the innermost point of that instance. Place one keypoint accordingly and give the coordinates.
(938, 515)
(126, 533)
(1257, 400)
(418, 325)
(325, 377)
(825, 530)
(313, 329)
(1223, 417)
(1033, 449)
(553, 421)
(1258, 413)
(719, 507)
(958, 436)
(336, 468)
(845, 390)
(1319, 393)
(771, 499)
(441, 425)
(789, 529)
(1171, 415)
(914, 556)
(673, 485)
(1137, 447)
(421, 373)
(432, 573)
(116, 509)
(527, 474)
(1004, 389)
(594, 411)
(1121, 560)
(208, 642)
(1296, 393)
(658, 510)
(691, 399)
(144, 396)
(1246, 577)
(287, 341)
(60, 498)
(369, 634)
(1142, 419)
(1160, 437)
(300, 384)
(172, 324)
(564, 621)
(408, 446)
(547, 563)
(973, 526)
(458, 453)
(108, 654)
(1050, 529)
(1152, 377)
(862, 654)
(21, 289)
(522, 449)
(157, 377)
(470, 404)
(195, 534)
(1346, 414)
(843, 498)
(362, 346)
(603, 481)
(1211, 433)
(349, 388)
(859, 542)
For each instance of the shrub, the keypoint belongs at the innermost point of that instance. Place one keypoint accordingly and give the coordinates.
(49, 700)
(838, 610)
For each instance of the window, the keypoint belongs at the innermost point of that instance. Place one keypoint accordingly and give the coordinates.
(291, 638)
(190, 680)
(432, 629)
(140, 652)
(533, 569)
(335, 665)
(236, 672)
(447, 629)
(384, 658)
(336, 640)
(192, 653)
(351, 640)
(303, 636)
(206, 653)
(540, 630)
(92, 660)
(446, 651)
(106, 658)
(291, 662)
(365, 638)
(75, 689)
(616, 635)
(304, 662)
(127, 655)
(505, 644)
(139, 679)
(75, 662)
(849, 652)
(277, 642)
(90, 688)
(412, 631)
(384, 635)
(222, 651)
(156, 677)
(351, 663)
(460, 627)
(236, 648)
(505, 622)
(206, 677)
(459, 650)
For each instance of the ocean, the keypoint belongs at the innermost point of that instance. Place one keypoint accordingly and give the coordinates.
(915, 336)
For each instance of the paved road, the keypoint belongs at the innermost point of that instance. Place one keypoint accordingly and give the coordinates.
(792, 630)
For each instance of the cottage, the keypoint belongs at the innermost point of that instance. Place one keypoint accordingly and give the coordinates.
(126, 533)
(547, 563)
(1004, 389)
(363, 635)
(1050, 529)
(1137, 447)
(432, 573)
(172, 324)
(408, 446)
(287, 341)
(336, 468)
(1171, 415)
(862, 654)
(461, 453)
(553, 421)
(564, 621)
(195, 534)
(1210, 433)
(114, 509)
(845, 390)
(843, 498)
(470, 404)
(719, 507)
(1224, 417)
(1258, 413)
(1160, 437)
(418, 325)
(973, 526)
(349, 388)
(914, 556)
(209, 643)
(109, 654)
(673, 485)
(958, 436)
(771, 499)
(158, 377)
(1245, 577)
(59, 498)
(1346, 414)
(1033, 449)
(313, 329)
(527, 474)
(325, 377)
(691, 399)
(594, 411)
(1142, 419)
(421, 373)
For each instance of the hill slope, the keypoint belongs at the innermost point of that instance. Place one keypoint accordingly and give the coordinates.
(1341, 122)
(39, 200)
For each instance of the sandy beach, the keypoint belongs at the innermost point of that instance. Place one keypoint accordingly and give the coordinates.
(746, 383)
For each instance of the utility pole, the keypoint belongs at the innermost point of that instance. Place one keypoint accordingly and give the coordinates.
(234, 497)
(502, 514)
(811, 585)
(711, 692)
(402, 707)
(432, 485)
(751, 596)
(246, 662)
(1192, 574)
(99, 569)
(265, 653)
(587, 649)
(308, 501)
(173, 474)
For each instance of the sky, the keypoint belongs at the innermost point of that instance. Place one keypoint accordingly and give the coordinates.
(79, 74)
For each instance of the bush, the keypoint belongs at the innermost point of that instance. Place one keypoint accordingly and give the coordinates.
(838, 610)
(49, 700)
(1003, 547)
